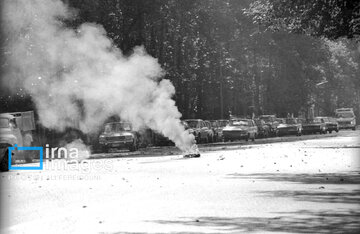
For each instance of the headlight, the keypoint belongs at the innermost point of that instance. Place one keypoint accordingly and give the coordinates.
(353, 122)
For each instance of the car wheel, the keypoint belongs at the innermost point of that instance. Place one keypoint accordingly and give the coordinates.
(247, 137)
(253, 138)
(330, 131)
(354, 128)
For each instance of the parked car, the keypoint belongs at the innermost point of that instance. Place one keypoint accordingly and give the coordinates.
(291, 126)
(263, 128)
(271, 121)
(346, 118)
(240, 129)
(199, 128)
(119, 135)
(211, 131)
(331, 124)
(16, 129)
(223, 123)
(316, 125)
(215, 124)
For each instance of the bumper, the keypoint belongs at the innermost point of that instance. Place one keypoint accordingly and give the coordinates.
(346, 126)
(116, 144)
(235, 135)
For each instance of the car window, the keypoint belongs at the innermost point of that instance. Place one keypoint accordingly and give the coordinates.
(192, 123)
(12, 123)
(4, 123)
(116, 127)
(290, 121)
(344, 115)
(239, 122)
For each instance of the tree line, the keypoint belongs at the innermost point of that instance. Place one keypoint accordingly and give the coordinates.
(239, 57)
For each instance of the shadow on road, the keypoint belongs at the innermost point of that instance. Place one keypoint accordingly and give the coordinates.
(302, 221)
(318, 178)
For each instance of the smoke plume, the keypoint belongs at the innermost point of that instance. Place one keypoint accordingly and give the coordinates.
(78, 74)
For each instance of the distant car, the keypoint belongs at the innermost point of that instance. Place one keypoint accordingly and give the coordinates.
(316, 125)
(346, 118)
(331, 124)
(118, 135)
(263, 128)
(240, 129)
(271, 121)
(215, 125)
(200, 129)
(291, 126)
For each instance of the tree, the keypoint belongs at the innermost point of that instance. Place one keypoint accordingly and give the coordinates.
(330, 18)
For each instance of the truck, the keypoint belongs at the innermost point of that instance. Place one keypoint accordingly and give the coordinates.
(346, 118)
(15, 129)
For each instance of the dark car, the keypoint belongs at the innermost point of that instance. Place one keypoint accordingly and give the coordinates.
(289, 126)
(240, 129)
(200, 130)
(271, 121)
(263, 128)
(118, 135)
(331, 124)
(316, 125)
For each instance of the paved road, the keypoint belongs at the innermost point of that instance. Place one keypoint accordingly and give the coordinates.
(304, 186)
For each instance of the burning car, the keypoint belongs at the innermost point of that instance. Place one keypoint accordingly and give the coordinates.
(316, 125)
(119, 135)
(240, 129)
(289, 127)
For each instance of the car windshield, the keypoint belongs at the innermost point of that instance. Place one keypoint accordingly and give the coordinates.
(214, 124)
(316, 120)
(223, 123)
(290, 121)
(4, 123)
(239, 122)
(266, 118)
(192, 123)
(345, 115)
(117, 127)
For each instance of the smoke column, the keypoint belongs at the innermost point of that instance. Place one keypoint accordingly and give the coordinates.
(63, 68)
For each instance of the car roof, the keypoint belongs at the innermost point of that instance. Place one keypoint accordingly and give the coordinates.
(118, 122)
(6, 115)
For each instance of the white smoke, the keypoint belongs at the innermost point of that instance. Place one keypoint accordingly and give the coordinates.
(80, 75)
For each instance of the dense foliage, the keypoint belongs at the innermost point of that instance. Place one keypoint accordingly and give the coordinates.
(222, 57)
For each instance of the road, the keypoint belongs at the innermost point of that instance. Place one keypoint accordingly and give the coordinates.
(305, 185)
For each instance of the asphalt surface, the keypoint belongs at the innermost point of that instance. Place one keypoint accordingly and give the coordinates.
(307, 184)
